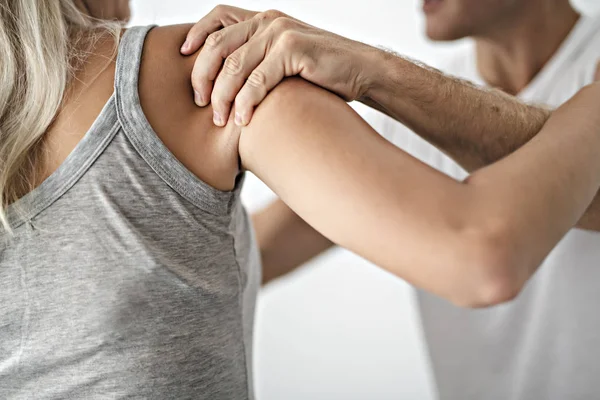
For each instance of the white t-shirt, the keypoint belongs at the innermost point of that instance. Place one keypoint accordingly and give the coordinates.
(546, 343)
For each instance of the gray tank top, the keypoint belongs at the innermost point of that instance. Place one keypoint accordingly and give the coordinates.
(127, 277)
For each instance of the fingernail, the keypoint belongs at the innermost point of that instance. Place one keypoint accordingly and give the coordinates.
(185, 46)
(198, 98)
(217, 119)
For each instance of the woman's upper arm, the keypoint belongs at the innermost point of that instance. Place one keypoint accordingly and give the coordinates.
(475, 242)
(353, 186)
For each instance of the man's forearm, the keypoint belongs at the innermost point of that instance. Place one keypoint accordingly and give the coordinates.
(286, 242)
(473, 126)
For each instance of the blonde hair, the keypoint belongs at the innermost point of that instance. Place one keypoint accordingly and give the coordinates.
(40, 47)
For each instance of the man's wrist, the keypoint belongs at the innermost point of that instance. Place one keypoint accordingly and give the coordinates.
(385, 77)
(371, 73)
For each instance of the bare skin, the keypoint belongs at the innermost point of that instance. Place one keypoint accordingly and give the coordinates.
(88, 93)
(514, 40)
(106, 9)
(320, 157)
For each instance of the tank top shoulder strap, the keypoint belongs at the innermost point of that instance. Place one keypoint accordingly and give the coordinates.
(146, 142)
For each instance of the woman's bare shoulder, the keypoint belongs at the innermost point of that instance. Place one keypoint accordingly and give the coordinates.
(166, 94)
(85, 97)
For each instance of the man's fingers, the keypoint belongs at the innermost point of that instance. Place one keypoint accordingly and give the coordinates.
(198, 34)
(236, 15)
(220, 17)
(262, 80)
(236, 69)
(217, 48)
(597, 74)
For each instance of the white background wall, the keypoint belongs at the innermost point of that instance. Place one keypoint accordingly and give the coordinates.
(339, 329)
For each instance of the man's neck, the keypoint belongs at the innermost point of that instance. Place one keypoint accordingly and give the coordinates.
(512, 54)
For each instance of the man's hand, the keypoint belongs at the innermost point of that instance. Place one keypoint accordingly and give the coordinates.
(246, 54)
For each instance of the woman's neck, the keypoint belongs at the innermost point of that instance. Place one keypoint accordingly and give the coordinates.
(105, 9)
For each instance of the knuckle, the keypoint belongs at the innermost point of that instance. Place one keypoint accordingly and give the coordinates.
(282, 24)
(233, 65)
(274, 14)
(269, 15)
(214, 40)
(220, 9)
(289, 39)
(257, 79)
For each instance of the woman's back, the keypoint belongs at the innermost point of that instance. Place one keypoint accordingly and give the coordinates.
(127, 275)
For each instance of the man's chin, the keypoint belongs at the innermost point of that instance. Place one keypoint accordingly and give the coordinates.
(438, 34)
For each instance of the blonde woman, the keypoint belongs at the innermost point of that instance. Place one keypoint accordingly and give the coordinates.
(128, 267)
